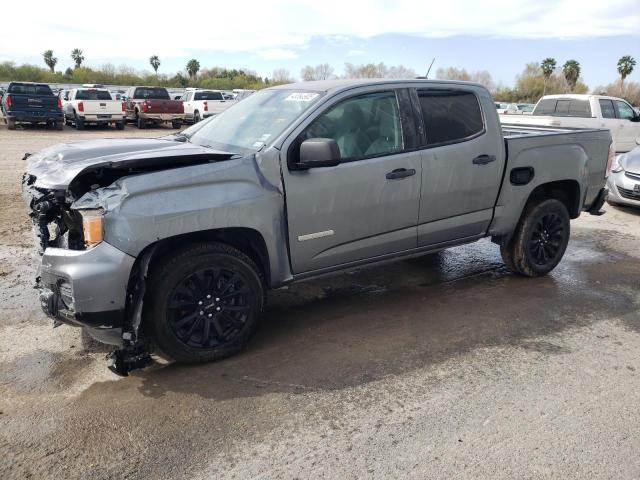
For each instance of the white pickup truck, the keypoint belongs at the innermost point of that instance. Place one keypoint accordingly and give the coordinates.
(201, 104)
(585, 111)
(82, 106)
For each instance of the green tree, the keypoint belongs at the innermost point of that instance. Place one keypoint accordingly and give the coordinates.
(571, 71)
(625, 67)
(77, 57)
(193, 66)
(155, 63)
(548, 66)
(50, 60)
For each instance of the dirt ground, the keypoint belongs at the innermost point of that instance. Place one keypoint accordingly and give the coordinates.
(445, 367)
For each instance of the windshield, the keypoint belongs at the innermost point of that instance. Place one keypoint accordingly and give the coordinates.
(254, 122)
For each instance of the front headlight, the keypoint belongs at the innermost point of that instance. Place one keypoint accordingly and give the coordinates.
(92, 226)
(616, 167)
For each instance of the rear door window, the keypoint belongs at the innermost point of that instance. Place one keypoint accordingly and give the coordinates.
(450, 115)
(606, 107)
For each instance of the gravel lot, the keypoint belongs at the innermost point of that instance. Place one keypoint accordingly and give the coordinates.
(442, 367)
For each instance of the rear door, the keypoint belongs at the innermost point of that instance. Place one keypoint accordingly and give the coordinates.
(609, 120)
(462, 163)
(368, 205)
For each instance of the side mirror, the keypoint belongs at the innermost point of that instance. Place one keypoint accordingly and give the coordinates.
(319, 152)
(636, 118)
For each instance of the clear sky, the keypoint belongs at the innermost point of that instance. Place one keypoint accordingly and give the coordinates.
(500, 36)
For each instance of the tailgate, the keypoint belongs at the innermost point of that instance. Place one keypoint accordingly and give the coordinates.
(44, 103)
(102, 107)
(165, 106)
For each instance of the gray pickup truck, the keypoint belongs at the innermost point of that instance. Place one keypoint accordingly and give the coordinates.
(168, 245)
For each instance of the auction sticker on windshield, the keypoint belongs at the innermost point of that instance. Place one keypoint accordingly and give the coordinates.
(301, 97)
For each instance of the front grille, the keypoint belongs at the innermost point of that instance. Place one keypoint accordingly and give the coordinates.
(632, 175)
(628, 194)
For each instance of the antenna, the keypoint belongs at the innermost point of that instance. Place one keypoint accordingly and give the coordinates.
(430, 65)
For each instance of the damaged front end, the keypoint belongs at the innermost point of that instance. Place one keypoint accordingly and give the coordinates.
(71, 191)
(83, 281)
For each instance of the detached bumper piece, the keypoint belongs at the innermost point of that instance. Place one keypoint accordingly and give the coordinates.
(596, 206)
(124, 360)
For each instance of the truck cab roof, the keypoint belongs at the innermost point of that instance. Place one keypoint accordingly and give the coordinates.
(346, 84)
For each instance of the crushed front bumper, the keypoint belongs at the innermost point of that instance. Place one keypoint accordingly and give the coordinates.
(86, 288)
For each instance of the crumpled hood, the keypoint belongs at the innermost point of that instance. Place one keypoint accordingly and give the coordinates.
(631, 161)
(57, 166)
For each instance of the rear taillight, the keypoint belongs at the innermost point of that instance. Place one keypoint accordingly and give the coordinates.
(80, 107)
(9, 101)
(206, 106)
(145, 106)
(59, 103)
(612, 154)
(124, 107)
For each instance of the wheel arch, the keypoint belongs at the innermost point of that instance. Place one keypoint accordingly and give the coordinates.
(566, 191)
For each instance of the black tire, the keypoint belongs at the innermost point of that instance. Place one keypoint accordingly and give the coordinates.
(120, 125)
(176, 124)
(58, 125)
(196, 117)
(188, 326)
(11, 124)
(540, 239)
(142, 123)
(78, 121)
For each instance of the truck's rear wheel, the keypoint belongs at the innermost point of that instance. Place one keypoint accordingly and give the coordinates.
(540, 239)
(176, 124)
(78, 121)
(203, 303)
(196, 117)
(120, 125)
(141, 122)
(11, 124)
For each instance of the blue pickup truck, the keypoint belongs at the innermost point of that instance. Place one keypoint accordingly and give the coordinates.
(26, 102)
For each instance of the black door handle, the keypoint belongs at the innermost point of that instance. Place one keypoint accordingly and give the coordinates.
(483, 159)
(400, 173)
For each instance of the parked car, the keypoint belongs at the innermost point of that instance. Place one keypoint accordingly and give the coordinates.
(152, 106)
(34, 103)
(624, 181)
(200, 104)
(170, 244)
(84, 106)
(526, 108)
(587, 111)
(507, 108)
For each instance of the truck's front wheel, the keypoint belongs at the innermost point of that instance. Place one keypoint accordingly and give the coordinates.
(204, 302)
(540, 239)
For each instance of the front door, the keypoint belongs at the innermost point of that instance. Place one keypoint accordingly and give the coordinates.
(367, 205)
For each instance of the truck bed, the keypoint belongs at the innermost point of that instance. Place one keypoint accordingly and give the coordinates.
(553, 155)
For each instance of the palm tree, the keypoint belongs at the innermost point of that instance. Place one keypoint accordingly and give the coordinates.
(548, 66)
(155, 63)
(76, 56)
(193, 66)
(49, 59)
(625, 67)
(571, 71)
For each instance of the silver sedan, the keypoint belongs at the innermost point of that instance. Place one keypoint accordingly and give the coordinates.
(624, 180)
